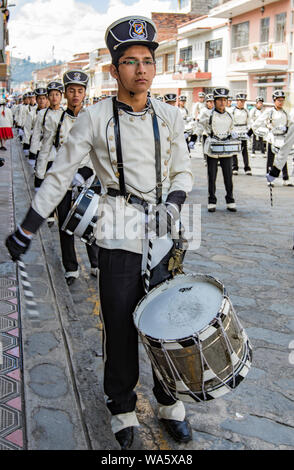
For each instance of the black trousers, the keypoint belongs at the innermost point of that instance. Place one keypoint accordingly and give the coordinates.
(258, 144)
(212, 167)
(245, 156)
(270, 163)
(121, 288)
(69, 257)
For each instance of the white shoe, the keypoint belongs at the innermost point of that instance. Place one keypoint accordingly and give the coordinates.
(287, 183)
(211, 207)
(271, 184)
(248, 172)
(235, 172)
(94, 272)
(231, 206)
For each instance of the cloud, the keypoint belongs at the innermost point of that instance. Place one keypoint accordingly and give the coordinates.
(69, 26)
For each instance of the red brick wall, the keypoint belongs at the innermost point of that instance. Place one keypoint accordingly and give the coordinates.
(167, 23)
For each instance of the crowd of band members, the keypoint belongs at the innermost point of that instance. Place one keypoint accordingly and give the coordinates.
(29, 117)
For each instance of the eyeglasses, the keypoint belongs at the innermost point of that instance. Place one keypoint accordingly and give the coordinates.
(135, 63)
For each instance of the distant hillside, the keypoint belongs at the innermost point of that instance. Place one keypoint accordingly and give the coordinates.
(21, 69)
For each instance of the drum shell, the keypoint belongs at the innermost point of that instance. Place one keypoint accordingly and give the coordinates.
(206, 365)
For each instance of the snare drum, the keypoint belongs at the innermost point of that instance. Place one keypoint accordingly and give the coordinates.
(223, 147)
(196, 344)
(82, 218)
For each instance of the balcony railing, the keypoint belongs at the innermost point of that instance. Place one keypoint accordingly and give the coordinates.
(260, 51)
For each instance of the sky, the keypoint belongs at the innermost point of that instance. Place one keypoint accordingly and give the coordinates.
(47, 29)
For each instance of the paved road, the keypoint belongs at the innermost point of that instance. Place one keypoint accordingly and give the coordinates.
(249, 251)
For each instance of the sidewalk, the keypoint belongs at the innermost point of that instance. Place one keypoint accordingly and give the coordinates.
(62, 386)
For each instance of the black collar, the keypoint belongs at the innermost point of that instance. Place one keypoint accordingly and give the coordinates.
(128, 108)
(70, 112)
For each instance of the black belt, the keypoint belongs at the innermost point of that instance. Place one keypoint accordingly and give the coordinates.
(131, 198)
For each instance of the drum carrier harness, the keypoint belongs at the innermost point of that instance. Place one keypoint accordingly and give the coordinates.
(176, 255)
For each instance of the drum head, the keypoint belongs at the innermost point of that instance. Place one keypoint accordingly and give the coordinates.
(180, 307)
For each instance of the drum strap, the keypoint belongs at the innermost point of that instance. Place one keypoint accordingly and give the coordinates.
(122, 186)
(44, 119)
(57, 135)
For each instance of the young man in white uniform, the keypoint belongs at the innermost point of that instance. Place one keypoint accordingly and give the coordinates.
(133, 169)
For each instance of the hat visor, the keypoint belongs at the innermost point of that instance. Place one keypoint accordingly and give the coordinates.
(134, 42)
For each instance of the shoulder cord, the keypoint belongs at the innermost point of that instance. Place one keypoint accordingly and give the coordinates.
(120, 157)
(57, 135)
(45, 114)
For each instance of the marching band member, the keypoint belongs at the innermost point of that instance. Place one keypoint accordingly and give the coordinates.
(282, 156)
(200, 104)
(20, 115)
(183, 110)
(49, 120)
(6, 124)
(218, 123)
(113, 132)
(209, 105)
(230, 107)
(75, 84)
(41, 103)
(254, 113)
(277, 121)
(170, 98)
(241, 126)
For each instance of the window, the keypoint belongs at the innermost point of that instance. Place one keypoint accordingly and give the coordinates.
(170, 62)
(262, 91)
(186, 54)
(240, 34)
(280, 27)
(264, 29)
(214, 48)
(159, 64)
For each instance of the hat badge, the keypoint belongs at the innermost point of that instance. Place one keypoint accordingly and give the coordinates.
(138, 29)
(77, 76)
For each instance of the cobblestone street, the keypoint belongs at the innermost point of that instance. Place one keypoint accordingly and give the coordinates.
(250, 252)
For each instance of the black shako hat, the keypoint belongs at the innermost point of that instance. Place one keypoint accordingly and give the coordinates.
(170, 97)
(130, 31)
(241, 96)
(55, 86)
(75, 77)
(221, 93)
(40, 91)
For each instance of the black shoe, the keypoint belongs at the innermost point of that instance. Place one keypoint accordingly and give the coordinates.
(180, 431)
(125, 437)
(2, 161)
(70, 280)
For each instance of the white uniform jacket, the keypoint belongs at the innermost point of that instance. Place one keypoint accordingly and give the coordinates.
(275, 120)
(22, 114)
(254, 114)
(7, 119)
(93, 132)
(213, 123)
(29, 124)
(282, 156)
(47, 151)
(241, 120)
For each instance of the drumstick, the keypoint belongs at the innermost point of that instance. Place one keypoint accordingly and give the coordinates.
(28, 293)
(271, 193)
(149, 256)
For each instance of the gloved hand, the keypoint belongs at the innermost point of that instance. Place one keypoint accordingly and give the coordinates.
(234, 135)
(162, 219)
(17, 244)
(78, 180)
(270, 178)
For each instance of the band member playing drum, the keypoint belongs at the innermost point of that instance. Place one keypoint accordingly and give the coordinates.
(135, 171)
(218, 125)
(277, 121)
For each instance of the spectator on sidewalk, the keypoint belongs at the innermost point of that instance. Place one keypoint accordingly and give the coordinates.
(6, 124)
